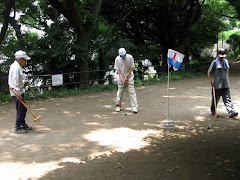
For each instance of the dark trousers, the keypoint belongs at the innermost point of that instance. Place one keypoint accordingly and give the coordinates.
(21, 111)
(225, 94)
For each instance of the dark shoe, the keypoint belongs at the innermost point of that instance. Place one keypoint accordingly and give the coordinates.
(215, 115)
(233, 114)
(26, 127)
(20, 130)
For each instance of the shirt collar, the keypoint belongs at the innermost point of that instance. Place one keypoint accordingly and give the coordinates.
(17, 64)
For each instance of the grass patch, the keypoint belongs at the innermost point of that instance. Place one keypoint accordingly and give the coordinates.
(176, 75)
(4, 97)
(63, 91)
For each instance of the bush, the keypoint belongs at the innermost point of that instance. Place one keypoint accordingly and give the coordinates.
(230, 54)
(238, 58)
(4, 97)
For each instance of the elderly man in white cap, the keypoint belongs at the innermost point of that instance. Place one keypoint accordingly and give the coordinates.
(15, 81)
(124, 64)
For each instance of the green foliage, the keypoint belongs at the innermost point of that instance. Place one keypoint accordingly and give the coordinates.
(236, 5)
(63, 91)
(105, 42)
(230, 54)
(238, 57)
(204, 33)
(4, 97)
(227, 34)
(233, 54)
(234, 40)
(168, 24)
(145, 28)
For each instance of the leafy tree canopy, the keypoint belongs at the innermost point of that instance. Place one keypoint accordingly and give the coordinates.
(76, 38)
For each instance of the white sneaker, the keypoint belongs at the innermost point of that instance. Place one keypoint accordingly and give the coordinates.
(135, 110)
(118, 109)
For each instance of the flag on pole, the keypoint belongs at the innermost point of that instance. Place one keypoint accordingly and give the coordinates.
(175, 58)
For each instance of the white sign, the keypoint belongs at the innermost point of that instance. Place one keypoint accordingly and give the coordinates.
(57, 80)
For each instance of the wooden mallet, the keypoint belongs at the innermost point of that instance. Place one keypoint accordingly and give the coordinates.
(215, 103)
(37, 119)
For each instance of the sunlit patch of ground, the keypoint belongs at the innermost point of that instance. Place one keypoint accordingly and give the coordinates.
(119, 139)
(17, 171)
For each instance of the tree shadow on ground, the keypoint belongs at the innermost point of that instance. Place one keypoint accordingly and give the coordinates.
(199, 153)
(83, 138)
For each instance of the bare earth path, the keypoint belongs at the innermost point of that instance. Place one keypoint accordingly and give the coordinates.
(82, 137)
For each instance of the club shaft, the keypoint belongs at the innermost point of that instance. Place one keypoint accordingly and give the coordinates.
(23, 103)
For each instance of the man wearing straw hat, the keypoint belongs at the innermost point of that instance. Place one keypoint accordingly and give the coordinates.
(15, 81)
(219, 68)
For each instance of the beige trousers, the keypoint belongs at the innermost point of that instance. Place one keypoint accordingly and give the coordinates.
(132, 93)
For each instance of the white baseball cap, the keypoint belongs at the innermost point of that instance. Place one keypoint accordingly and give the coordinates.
(21, 54)
(122, 52)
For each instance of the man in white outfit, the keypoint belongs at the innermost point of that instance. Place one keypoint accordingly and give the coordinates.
(15, 81)
(124, 64)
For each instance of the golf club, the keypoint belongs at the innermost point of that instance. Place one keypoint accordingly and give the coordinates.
(37, 119)
(215, 103)
(120, 99)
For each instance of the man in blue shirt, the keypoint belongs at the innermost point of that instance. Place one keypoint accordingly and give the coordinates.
(219, 69)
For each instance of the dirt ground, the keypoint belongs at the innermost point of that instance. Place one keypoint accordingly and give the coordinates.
(83, 138)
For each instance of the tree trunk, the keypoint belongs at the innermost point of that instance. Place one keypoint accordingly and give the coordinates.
(82, 58)
(8, 6)
(186, 59)
(3, 81)
(234, 50)
(17, 29)
(164, 62)
(101, 66)
(83, 30)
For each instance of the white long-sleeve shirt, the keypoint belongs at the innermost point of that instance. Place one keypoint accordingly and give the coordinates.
(15, 78)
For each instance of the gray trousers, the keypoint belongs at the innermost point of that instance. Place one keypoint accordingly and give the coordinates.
(225, 93)
(132, 93)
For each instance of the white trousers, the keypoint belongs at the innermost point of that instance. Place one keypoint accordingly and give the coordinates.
(132, 93)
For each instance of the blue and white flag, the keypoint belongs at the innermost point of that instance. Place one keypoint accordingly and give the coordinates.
(175, 58)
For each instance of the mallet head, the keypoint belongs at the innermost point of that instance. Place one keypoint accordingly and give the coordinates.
(37, 119)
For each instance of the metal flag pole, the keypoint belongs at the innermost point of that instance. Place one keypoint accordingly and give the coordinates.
(168, 94)
(167, 123)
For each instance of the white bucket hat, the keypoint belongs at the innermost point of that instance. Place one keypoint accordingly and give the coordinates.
(21, 54)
